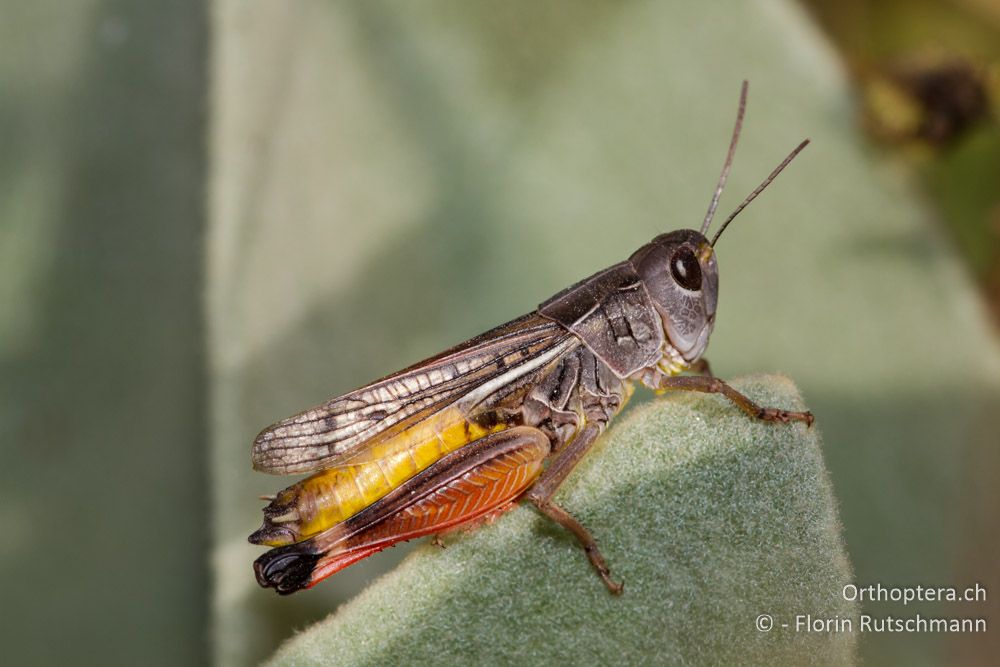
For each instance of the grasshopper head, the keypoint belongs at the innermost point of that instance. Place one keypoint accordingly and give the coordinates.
(682, 279)
(679, 268)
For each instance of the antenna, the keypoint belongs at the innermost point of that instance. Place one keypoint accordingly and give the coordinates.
(759, 189)
(729, 158)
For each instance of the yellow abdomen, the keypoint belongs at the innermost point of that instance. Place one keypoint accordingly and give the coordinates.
(330, 496)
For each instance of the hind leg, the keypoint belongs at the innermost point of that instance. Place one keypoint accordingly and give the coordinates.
(476, 481)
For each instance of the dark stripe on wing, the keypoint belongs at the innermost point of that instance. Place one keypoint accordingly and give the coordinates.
(336, 431)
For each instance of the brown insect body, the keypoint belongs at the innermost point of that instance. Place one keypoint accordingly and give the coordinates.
(504, 416)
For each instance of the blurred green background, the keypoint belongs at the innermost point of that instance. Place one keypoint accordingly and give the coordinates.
(214, 216)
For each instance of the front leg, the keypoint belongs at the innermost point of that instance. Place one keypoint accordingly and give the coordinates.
(701, 367)
(713, 385)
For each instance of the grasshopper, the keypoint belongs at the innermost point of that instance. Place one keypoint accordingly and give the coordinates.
(461, 437)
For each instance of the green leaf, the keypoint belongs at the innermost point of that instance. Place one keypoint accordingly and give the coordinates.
(102, 377)
(711, 518)
(391, 178)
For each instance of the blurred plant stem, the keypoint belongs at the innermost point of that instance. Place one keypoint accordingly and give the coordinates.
(922, 64)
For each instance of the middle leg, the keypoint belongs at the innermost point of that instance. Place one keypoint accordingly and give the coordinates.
(541, 492)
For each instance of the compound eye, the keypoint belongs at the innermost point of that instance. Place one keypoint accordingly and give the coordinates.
(686, 269)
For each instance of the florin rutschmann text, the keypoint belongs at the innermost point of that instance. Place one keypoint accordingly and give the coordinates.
(876, 593)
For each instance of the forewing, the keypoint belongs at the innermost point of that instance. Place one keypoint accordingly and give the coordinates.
(340, 430)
